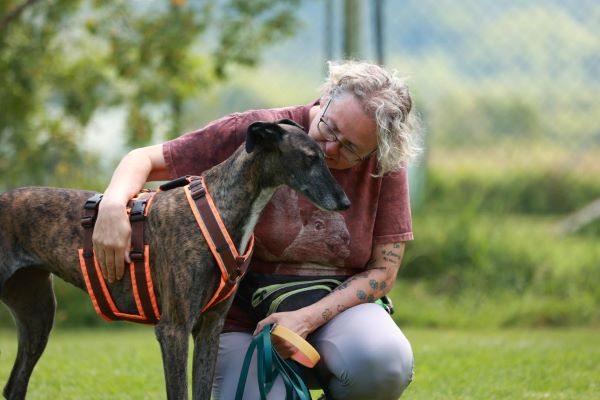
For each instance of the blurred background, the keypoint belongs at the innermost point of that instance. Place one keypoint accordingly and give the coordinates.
(505, 196)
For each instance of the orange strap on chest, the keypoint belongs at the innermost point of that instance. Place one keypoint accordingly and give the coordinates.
(233, 266)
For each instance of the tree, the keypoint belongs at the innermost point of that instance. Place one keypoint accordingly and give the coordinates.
(62, 61)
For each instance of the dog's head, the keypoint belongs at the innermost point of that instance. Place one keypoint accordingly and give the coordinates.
(293, 158)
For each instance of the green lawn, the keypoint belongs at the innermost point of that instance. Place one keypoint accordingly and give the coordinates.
(513, 364)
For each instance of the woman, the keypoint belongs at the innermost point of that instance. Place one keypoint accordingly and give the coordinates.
(363, 123)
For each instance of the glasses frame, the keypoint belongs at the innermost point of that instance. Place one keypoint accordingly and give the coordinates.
(330, 135)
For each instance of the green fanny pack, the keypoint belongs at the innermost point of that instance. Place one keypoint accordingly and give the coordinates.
(266, 294)
(291, 296)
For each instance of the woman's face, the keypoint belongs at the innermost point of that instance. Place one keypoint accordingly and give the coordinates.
(343, 130)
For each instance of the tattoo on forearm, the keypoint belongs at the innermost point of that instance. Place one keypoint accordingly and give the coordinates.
(389, 255)
(345, 284)
(326, 314)
(341, 308)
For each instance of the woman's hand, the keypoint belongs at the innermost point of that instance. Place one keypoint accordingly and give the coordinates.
(112, 233)
(112, 239)
(298, 321)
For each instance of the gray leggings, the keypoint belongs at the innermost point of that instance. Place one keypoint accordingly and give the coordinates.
(364, 355)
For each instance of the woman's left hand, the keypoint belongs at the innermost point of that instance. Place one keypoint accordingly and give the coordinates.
(297, 321)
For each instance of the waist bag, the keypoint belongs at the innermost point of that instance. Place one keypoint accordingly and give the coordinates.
(265, 294)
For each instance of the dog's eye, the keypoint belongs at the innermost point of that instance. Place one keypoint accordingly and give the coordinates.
(310, 159)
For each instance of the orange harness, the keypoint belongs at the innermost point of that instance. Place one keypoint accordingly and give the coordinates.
(232, 266)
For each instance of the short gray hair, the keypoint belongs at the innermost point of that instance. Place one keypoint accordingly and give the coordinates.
(385, 97)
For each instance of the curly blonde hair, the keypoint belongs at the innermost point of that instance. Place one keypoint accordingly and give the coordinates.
(385, 97)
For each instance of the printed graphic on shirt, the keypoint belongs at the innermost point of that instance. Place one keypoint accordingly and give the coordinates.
(297, 231)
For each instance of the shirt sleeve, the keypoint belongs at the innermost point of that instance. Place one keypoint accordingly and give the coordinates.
(393, 222)
(197, 151)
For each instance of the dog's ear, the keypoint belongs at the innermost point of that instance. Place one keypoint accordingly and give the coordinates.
(263, 133)
(287, 121)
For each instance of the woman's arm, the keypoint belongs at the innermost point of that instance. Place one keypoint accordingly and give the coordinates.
(365, 287)
(112, 232)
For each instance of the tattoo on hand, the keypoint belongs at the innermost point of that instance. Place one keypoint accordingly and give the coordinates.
(382, 285)
(373, 284)
(326, 314)
(341, 308)
(371, 298)
(361, 294)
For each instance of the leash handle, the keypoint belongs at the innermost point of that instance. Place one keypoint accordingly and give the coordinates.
(269, 366)
(306, 354)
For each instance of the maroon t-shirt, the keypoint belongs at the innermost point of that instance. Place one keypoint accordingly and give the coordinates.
(291, 231)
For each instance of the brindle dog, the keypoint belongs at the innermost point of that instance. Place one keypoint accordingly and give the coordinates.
(40, 233)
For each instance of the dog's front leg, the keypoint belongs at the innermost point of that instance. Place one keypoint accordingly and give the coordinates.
(206, 348)
(173, 341)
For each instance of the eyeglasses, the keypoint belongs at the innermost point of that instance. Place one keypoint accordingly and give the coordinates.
(330, 135)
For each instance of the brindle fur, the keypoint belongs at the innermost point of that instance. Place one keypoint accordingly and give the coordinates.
(40, 234)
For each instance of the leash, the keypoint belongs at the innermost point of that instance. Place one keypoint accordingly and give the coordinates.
(270, 365)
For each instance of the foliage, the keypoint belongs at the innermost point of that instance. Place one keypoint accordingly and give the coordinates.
(63, 61)
(487, 251)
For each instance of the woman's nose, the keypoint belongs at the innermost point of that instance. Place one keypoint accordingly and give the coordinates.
(331, 148)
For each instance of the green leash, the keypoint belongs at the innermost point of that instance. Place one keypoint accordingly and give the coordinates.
(270, 365)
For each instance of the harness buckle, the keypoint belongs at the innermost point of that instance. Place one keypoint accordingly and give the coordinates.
(87, 221)
(137, 211)
(136, 255)
(197, 190)
(92, 202)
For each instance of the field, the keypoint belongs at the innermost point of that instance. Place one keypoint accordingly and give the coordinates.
(450, 364)
(497, 303)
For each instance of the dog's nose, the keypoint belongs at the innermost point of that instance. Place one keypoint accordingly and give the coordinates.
(344, 203)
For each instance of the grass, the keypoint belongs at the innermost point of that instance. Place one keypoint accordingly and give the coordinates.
(449, 364)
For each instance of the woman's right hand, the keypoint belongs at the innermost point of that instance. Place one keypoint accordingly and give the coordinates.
(112, 239)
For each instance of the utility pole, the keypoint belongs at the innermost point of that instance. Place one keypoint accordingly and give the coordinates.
(378, 30)
(328, 32)
(352, 29)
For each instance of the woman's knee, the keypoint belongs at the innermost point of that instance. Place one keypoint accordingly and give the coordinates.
(375, 367)
(386, 366)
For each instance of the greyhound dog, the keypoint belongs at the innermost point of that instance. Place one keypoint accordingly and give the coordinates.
(40, 233)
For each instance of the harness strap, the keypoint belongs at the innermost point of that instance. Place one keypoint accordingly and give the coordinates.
(233, 266)
(141, 279)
